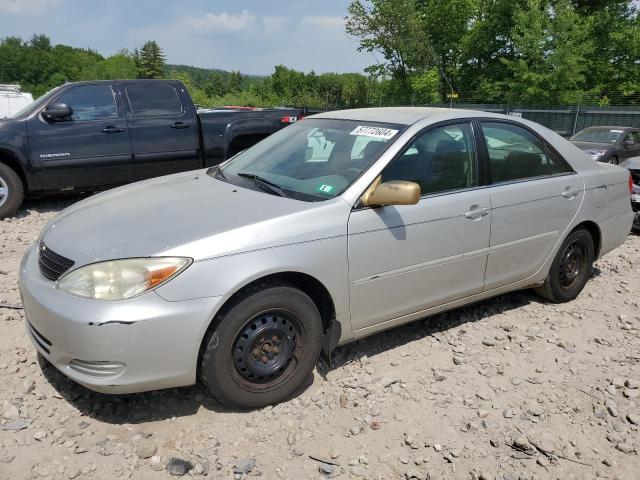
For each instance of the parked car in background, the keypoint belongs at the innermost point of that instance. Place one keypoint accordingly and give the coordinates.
(608, 144)
(12, 100)
(633, 164)
(344, 224)
(95, 135)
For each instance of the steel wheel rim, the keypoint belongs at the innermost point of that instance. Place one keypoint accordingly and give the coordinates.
(4, 191)
(267, 350)
(572, 266)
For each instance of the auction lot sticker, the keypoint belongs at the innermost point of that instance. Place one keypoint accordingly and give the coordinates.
(375, 132)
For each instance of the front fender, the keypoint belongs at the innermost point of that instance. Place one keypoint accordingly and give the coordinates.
(325, 260)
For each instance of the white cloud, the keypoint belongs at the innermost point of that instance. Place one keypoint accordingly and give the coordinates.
(27, 6)
(215, 22)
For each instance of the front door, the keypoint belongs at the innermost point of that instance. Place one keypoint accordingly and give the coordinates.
(164, 131)
(89, 149)
(405, 259)
(631, 145)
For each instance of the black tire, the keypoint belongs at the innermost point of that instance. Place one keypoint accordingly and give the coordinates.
(11, 191)
(263, 348)
(613, 160)
(570, 269)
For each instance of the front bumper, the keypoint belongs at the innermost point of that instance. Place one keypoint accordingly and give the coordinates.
(139, 344)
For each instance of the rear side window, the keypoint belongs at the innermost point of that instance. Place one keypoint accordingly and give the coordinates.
(517, 154)
(153, 100)
(90, 102)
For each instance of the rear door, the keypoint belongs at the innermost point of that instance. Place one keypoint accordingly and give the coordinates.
(163, 128)
(89, 149)
(534, 197)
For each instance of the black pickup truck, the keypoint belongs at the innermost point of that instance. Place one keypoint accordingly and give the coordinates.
(94, 135)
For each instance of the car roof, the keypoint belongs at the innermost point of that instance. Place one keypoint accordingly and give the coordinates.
(399, 115)
(608, 127)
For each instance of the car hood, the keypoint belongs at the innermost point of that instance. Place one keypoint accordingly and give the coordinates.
(189, 214)
(631, 163)
(592, 145)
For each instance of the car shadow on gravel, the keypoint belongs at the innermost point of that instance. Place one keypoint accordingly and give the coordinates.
(433, 326)
(178, 402)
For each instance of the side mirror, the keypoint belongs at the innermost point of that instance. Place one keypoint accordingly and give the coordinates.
(57, 111)
(396, 192)
(628, 143)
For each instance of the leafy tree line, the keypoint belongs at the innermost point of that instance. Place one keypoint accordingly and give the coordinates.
(518, 51)
(426, 51)
(38, 66)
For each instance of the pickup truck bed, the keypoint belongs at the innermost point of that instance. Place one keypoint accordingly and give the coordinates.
(94, 135)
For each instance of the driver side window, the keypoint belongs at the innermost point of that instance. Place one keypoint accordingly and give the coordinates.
(439, 160)
(90, 102)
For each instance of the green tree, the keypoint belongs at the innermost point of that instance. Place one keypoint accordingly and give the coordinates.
(149, 60)
(235, 81)
(215, 85)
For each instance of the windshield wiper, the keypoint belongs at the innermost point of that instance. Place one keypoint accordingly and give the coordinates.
(264, 183)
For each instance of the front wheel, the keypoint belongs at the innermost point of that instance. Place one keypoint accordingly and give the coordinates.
(570, 269)
(263, 348)
(614, 160)
(11, 191)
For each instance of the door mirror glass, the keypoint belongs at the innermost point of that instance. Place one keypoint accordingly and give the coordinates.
(395, 192)
(58, 111)
(629, 142)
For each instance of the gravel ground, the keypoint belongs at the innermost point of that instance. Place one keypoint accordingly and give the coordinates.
(510, 388)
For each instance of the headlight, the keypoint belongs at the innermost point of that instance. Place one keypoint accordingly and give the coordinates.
(121, 279)
(595, 153)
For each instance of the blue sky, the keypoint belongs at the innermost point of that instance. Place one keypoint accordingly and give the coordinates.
(251, 35)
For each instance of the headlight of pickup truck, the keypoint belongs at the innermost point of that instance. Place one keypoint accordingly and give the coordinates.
(121, 279)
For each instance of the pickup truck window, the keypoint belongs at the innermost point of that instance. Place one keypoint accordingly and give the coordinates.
(90, 102)
(153, 100)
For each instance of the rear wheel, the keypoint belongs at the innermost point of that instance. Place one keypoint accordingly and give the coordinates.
(613, 160)
(11, 191)
(263, 348)
(570, 269)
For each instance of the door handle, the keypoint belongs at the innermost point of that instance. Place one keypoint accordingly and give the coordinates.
(180, 125)
(476, 212)
(569, 193)
(112, 129)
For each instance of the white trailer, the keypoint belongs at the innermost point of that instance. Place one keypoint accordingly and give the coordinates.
(13, 100)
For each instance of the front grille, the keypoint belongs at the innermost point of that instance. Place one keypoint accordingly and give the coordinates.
(52, 265)
(40, 339)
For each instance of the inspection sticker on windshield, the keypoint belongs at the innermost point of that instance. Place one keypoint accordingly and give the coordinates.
(324, 188)
(375, 132)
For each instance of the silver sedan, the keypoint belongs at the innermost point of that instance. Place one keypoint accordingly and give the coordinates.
(342, 225)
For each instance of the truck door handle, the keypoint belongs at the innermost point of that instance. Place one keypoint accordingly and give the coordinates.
(476, 212)
(180, 125)
(569, 193)
(112, 129)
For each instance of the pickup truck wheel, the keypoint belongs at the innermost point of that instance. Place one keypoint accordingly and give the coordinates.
(11, 191)
(614, 160)
(263, 349)
(570, 269)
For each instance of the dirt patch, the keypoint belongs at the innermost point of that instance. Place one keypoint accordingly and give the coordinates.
(511, 388)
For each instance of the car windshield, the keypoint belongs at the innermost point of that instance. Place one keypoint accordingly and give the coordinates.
(312, 160)
(598, 135)
(37, 103)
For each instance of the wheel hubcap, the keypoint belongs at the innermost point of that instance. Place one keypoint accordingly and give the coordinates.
(264, 347)
(572, 264)
(4, 191)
